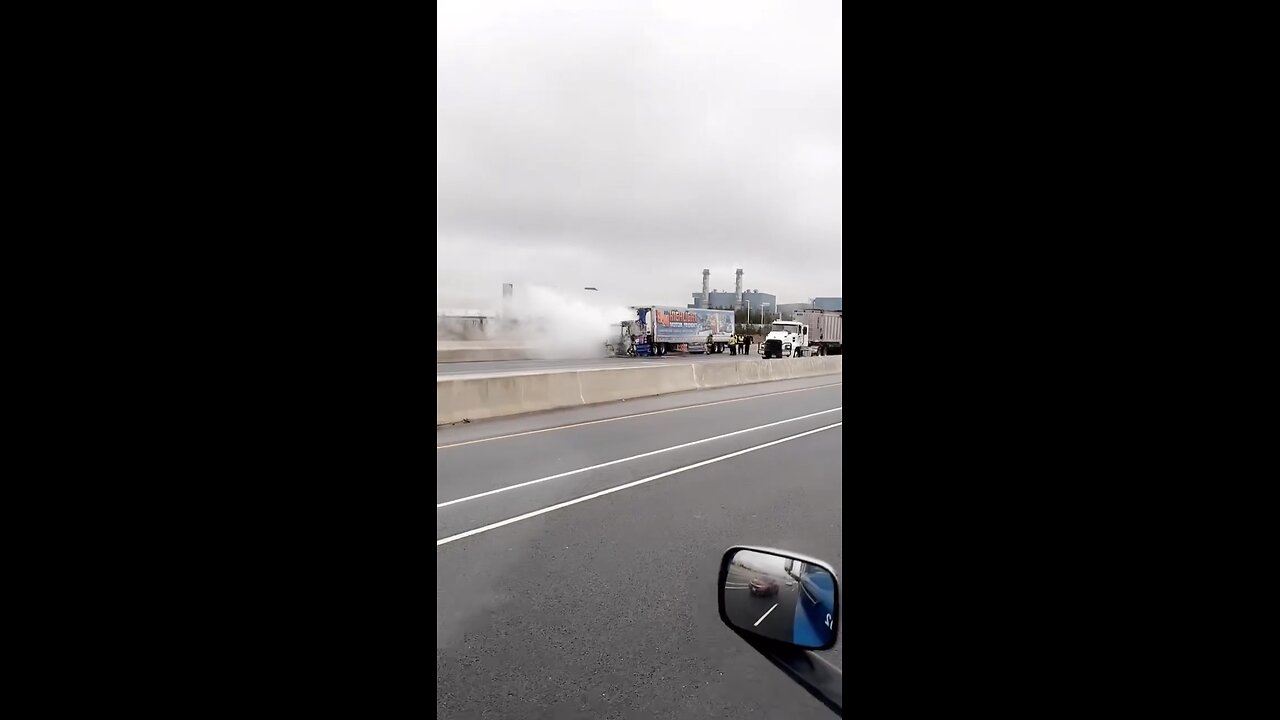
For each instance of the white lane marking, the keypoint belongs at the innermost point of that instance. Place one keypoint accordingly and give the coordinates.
(641, 481)
(628, 417)
(806, 592)
(627, 459)
(765, 615)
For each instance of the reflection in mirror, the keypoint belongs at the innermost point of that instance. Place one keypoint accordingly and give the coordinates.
(780, 598)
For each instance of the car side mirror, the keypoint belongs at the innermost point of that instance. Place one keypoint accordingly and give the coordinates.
(780, 596)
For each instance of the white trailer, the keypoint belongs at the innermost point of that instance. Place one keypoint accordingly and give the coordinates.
(659, 329)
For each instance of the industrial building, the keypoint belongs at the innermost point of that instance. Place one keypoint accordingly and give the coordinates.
(716, 300)
(739, 298)
(830, 304)
(787, 311)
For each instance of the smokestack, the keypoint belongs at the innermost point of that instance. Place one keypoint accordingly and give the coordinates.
(706, 280)
(737, 289)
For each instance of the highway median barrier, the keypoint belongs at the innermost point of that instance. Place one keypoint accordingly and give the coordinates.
(476, 398)
(607, 385)
(718, 374)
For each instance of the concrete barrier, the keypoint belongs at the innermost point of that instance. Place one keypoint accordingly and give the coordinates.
(547, 391)
(486, 397)
(478, 398)
(750, 371)
(807, 367)
(720, 374)
(608, 385)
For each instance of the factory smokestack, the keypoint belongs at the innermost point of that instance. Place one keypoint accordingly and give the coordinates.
(737, 289)
(706, 281)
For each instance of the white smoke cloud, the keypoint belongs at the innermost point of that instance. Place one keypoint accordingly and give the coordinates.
(554, 324)
(557, 325)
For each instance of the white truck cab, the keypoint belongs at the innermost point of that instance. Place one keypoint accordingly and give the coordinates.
(786, 338)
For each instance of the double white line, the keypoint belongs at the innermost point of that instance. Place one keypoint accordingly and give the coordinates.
(651, 478)
(633, 457)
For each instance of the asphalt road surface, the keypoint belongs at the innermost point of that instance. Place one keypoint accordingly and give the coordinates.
(772, 616)
(590, 590)
(446, 369)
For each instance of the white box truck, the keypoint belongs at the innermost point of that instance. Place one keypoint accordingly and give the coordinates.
(826, 330)
(658, 330)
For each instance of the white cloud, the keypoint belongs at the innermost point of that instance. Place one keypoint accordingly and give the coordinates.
(627, 145)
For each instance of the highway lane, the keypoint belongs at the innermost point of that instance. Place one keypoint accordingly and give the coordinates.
(445, 369)
(478, 431)
(466, 470)
(771, 615)
(608, 607)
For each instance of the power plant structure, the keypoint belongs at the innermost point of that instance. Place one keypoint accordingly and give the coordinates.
(715, 299)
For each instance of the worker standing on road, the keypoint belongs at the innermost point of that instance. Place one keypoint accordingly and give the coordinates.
(747, 350)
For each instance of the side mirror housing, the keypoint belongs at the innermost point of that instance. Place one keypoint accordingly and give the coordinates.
(780, 596)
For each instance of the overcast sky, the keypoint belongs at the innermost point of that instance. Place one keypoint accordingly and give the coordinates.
(626, 145)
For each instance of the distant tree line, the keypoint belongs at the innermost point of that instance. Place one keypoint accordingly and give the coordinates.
(740, 317)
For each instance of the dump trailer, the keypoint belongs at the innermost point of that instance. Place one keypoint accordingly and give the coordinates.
(658, 329)
(826, 330)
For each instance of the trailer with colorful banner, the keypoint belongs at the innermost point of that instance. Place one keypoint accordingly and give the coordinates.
(658, 330)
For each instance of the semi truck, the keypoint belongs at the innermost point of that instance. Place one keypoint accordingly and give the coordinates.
(826, 331)
(658, 329)
(786, 338)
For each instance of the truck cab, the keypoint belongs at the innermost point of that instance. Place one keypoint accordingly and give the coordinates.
(786, 338)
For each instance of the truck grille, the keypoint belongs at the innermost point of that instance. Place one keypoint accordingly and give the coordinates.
(773, 346)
